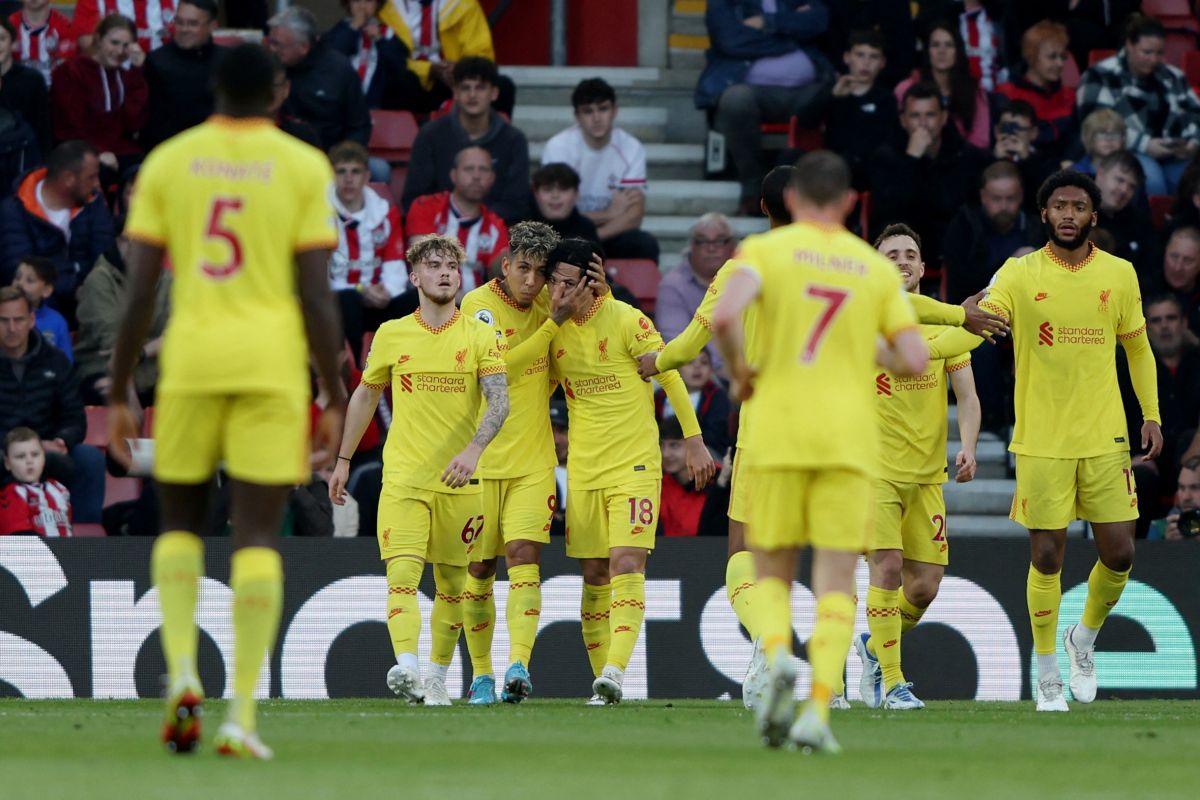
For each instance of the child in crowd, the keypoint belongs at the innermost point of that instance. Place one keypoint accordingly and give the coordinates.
(861, 116)
(710, 401)
(35, 276)
(686, 511)
(30, 505)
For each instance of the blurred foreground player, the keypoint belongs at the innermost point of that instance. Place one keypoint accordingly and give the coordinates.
(242, 212)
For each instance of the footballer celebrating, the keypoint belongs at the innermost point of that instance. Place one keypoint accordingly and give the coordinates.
(1069, 304)
(440, 365)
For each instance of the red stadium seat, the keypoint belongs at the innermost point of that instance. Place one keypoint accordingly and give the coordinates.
(383, 190)
(97, 426)
(1191, 67)
(1070, 73)
(806, 139)
(87, 529)
(1160, 206)
(148, 422)
(392, 135)
(638, 275)
(1166, 8)
(1177, 47)
(773, 128)
(119, 490)
(1096, 56)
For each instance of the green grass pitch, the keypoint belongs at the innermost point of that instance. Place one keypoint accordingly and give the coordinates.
(563, 750)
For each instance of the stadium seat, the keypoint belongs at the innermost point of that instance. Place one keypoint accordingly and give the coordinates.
(806, 139)
(392, 135)
(148, 422)
(1096, 56)
(773, 128)
(1177, 47)
(1070, 73)
(119, 490)
(87, 530)
(1166, 8)
(1160, 206)
(383, 190)
(640, 276)
(97, 426)
(1191, 67)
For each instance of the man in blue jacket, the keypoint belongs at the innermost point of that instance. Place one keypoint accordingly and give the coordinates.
(57, 212)
(764, 65)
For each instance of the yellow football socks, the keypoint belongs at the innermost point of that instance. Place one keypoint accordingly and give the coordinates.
(883, 620)
(1043, 593)
(774, 616)
(739, 585)
(176, 564)
(839, 686)
(479, 622)
(828, 646)
(1104, 590)
(628, 612)
(446, 620)
(593, 616)
(256, 577)
(523, 611)
(404, 614)
(910, 615)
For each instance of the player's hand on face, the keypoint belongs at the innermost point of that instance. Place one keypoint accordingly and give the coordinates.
(122, 426)
(337, 482)
(700, 462)
(594, 276)
(981, 322)
(1152, 441)
(328, 436)
(460, 469)
(965, 462)
(648, 365)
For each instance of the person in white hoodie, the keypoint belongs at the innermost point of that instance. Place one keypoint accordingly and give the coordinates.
(367, 270)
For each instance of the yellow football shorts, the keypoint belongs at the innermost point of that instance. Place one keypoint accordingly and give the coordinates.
(513, 509)
(261, 438)
(739, 499)
(831, 509)
(1051, 492)
(911, 517)
(620, 516)
(439, 527)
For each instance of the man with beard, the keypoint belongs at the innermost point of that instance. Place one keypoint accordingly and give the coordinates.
(1068, 304)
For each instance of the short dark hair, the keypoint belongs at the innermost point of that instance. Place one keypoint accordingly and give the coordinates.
(10, 293)
(207, 6)
(20, 434)
(669, 428)
(592, 90)
(897, 229)
(772, 193)
(1068, 177)
(999, 171)
(821, 177)
(476, 68)
(244, 77)
(1020, 108)
(42, 267)
(921, 90)
(1163, 297)
(574, 251)
(869, 37)
(1140, 25)
(114, 21)
(556, 174)
(348, 151)
(68, 156)
(1123, 159)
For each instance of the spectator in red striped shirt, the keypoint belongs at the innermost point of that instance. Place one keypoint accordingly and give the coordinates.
(44, 37)
(30, 505)
(153, 19)
(378, 55)
(367, 269)
(461, 213)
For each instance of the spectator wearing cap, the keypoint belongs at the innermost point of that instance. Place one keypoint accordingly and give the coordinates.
(1044, 50)
(38, 390)
(1161, 111)
(179, 74)
(23, 93)
(472, 121)
(611, 164)
(555, 202)
(57, 212)
(377, 53)
(325, 90)
(101, 96)
(710, 245)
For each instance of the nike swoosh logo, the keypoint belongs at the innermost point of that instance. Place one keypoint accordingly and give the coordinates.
(1040, 296)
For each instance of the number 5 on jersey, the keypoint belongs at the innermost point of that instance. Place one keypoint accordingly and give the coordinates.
(219, 231)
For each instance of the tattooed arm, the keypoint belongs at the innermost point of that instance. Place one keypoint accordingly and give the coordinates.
(460, 469)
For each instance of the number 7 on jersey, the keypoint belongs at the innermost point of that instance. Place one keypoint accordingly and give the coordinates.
(834, 298)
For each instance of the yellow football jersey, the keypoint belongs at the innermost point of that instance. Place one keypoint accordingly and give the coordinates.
(698, 333)
(613, 436)
(525, 444)
(824, 297)
(233, 201)
(1066, 322)
(434, 375)
(913, 418)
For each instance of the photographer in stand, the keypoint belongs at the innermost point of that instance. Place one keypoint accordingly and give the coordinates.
(1182, 521)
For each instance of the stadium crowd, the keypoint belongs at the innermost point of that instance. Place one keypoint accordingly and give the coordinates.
(950, 112)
